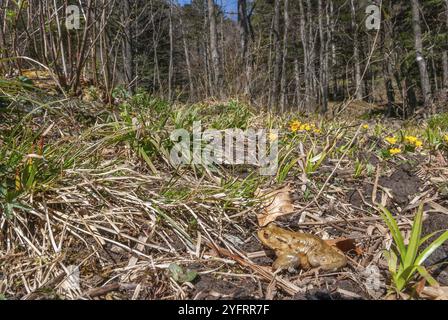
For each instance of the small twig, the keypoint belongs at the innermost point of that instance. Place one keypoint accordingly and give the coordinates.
(101, 291)
(326, 222)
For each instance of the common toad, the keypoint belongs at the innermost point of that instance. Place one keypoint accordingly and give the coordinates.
(300, 249)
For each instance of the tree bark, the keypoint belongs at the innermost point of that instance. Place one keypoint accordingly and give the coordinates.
(306, 62)
(387, 66)
(331, 32)
(243, 26)
(277, 55)
(358, 78)
(187, 59)
(171, 62)
(298, 95)
(283, 84)
(216, 60)
(445, 70)
(421, 61)
(128, 57)
(445, 56)
(323, 62)
(312, 55)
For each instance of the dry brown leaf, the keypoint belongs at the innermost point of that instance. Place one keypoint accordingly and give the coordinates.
(420, 286)
(345, 245)
(277, 203)
(440, 293)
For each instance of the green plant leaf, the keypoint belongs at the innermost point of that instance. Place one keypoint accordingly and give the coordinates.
(431, 248)
(148, 160)
(414, 241)
(407, 273)
(427, 237)
(392, 259)
(424, 273)
(180, 275)
(394, 230)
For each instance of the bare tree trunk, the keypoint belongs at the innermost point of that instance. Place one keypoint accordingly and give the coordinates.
(424, 77)
(323, 62)
(171, 63)
(216, 61)
(312, 55)
(331, 31)
(128, 56)
(358, 78)
(283, 84)
(387, 66)
(306, 62)
(209, 76)
(298, 95)
(277, 55)
(187, 59)
(243, 25)
(59, 40)
(157, 82)
(445, 70)
(80, 59)
(222, 48)
(2, 36)
(445, 55)
(104, 57)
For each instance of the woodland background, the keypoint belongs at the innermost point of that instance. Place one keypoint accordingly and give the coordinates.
(278, 54)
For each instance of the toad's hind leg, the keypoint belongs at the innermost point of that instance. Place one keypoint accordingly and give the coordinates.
(285, 261)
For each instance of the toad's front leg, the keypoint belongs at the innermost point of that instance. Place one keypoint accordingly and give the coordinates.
(304, 262)
(286, 261)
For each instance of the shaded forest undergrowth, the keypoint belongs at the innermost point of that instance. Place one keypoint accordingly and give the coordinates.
(90, 189)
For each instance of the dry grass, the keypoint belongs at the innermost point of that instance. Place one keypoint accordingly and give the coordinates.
(99, 206)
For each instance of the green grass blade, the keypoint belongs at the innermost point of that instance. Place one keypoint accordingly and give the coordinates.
(414, 241)
(392, 260)
(407, 273)
(426, 238)
(431, 248)
(394, 230)
(148, 161)
(425, 274)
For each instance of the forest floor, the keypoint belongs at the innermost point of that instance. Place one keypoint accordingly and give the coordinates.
(89, 191)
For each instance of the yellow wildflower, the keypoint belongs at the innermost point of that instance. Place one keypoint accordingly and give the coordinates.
(295, 126)
(298, 126)
(305, 127)
(446, 138)
(418, 143)
(414, 141)
(410, 139)
(395, 151)
(391, 140)
(366, 127)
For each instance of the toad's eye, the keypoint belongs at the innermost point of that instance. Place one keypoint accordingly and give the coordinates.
(266, 235)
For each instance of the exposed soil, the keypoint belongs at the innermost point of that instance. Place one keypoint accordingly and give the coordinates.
(439, 259)
(254, 245)
(403, 184)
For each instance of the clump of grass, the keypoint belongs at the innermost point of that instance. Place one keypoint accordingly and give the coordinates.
(439, 121)
(233, 115)
(406, 261)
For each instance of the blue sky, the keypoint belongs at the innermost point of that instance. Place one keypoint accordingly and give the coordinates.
(230, 6)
